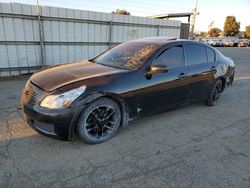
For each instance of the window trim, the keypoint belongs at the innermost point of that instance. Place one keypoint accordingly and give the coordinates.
(213, 53)
(186, 54)
(168, 47)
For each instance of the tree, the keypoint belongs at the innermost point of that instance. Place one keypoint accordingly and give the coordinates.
(118, 11)
(231, 26)
(202, 34)
(247, 32)
(214, 32)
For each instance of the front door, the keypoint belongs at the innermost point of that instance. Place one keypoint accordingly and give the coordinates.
(165, 90)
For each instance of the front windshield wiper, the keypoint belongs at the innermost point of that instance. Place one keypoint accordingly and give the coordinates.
(92, 60)
(107, 65)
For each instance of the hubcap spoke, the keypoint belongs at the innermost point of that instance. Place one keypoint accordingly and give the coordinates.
(98, 112)
(95, 115)
(100, 134)
(91, 129)
(111, 122)
(109, 114)
(107, 127)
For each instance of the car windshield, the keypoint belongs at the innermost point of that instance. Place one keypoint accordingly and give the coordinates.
(129, 55)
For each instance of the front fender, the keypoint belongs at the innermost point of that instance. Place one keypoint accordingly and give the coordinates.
(93, 96)
(83, 101)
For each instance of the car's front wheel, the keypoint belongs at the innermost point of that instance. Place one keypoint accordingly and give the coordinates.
(99, 121)
(215, 93)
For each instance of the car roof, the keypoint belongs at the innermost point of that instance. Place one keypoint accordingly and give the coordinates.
(156, 40)
(160, 41)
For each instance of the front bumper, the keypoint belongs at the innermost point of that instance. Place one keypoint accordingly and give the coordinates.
(57, 124)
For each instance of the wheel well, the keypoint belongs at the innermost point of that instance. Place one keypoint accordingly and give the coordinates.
(122, 108)
(120, 104)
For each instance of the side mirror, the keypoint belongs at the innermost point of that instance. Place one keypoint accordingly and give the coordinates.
(157, 69)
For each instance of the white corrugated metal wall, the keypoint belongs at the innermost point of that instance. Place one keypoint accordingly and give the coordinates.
(66, 35)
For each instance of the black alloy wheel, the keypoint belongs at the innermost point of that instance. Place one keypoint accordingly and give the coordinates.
(215, 93)
(99, 121)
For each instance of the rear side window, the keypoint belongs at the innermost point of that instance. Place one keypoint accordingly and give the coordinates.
(172, 57)
(210, 55)
(196, 54)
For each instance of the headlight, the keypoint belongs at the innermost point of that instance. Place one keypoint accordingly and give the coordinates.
(62, 100)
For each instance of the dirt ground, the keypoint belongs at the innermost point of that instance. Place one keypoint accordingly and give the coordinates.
(193, 146)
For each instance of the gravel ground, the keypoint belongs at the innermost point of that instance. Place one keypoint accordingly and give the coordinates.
(193, 146)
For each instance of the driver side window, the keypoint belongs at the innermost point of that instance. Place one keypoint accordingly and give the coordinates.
(172, 57)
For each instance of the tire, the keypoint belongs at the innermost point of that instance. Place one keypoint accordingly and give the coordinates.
(215, 93)
(99, 121)
(231, 80)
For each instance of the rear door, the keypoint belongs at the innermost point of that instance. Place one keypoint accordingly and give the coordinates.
(201, 70)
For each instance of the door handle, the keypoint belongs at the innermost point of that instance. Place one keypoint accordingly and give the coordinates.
(182, 75)
(213, 69)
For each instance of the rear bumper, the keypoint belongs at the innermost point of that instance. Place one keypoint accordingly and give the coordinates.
(57, 124)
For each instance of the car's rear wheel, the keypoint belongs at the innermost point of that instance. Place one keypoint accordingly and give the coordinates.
(215, 93)
(99, 121)
(231, 79)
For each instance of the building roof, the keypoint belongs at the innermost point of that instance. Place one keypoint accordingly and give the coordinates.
(172, 15)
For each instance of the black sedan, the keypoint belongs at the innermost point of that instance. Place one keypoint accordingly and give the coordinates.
(94, 98)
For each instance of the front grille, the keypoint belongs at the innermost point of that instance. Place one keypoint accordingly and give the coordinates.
(31, 93)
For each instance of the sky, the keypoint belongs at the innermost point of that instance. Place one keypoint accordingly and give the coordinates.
(210, 10)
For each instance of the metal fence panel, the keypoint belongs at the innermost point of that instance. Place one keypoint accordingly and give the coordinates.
(184, 34)
(60, 35)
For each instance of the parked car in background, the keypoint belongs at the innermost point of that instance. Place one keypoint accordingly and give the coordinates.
(217, 43)
(93, 98)
(210, 42)
(243, 43)
(231, 43)
(205, 41)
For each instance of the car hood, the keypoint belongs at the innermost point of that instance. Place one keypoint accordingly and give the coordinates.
(54, 77)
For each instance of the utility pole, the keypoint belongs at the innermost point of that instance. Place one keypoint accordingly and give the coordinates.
(195, 12)
(41, 39)
(38, 7)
